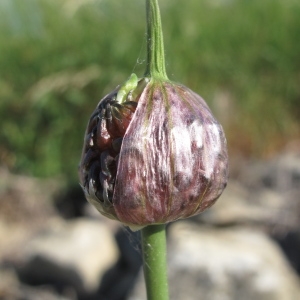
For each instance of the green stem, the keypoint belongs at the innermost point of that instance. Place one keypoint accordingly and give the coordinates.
(155, 45)
(155, 265)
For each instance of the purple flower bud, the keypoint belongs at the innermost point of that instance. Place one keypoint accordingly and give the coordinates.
(155, 156)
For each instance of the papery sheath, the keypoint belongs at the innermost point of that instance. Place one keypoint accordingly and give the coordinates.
(173, 159)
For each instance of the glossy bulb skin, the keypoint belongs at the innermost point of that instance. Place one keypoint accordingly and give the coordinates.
(170, 161)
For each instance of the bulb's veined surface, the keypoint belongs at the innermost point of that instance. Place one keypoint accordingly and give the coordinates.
(153, 153)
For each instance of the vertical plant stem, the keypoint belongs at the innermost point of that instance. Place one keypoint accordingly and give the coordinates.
(154, 236)
(154, 260)
(155, 45)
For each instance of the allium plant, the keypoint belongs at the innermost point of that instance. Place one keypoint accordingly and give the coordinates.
(153, 153)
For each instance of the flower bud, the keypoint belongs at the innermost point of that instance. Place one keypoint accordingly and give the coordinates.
(153, 153)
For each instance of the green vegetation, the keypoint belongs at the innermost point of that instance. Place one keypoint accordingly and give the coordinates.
(59, 58)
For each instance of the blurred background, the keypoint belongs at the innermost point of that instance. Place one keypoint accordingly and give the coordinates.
(58, 58)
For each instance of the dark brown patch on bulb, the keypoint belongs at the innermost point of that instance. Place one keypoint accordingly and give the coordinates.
(103, 141)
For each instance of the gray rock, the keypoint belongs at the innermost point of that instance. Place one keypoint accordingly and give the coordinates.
(25, 207)
(72, 254)
(224, 264)
(265, 194)
(282, 173)
(12, 289)
(268, 209)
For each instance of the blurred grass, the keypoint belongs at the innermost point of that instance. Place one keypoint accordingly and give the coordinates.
(59, 58)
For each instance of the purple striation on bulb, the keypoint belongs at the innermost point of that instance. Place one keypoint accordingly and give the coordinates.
(156, 157)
